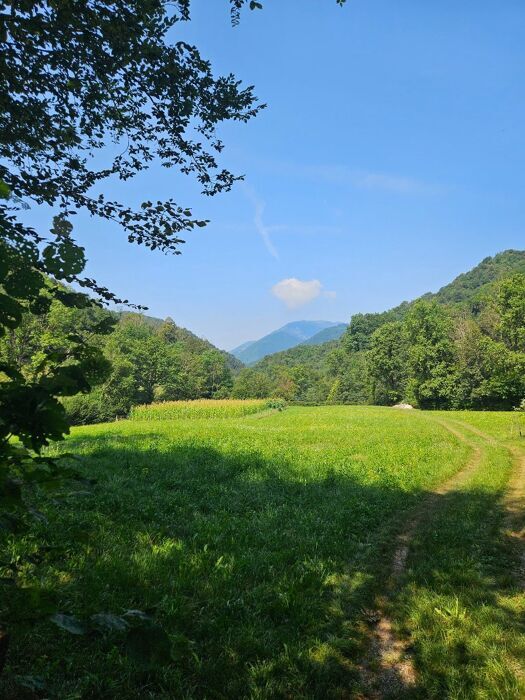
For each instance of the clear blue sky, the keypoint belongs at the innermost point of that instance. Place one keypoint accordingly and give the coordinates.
(390, 159)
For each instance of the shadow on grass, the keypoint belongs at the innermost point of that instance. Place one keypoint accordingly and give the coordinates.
(461, 601)
(259, 575)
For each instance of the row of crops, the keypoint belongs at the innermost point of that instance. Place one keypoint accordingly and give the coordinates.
(204, 408)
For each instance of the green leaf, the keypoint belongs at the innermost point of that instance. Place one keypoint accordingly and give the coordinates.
(70, 299)
(23, 282)
(4, 261)
(33, 683)
(69, 623)
(10, 311)
(10, 523)
(37, 601)
(138, 616)
(105, 326)
(5, 192)
(67, 381)
(64, 258)
(11, 372)
(40, 305)
(10, 493)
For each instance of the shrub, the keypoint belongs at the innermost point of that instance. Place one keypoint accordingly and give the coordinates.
(95, 407)
(276, 404)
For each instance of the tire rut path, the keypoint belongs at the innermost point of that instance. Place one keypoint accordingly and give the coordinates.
(513, 501)
(388, 670)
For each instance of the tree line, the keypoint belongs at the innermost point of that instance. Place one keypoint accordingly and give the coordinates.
(429, 354)
(140, 360)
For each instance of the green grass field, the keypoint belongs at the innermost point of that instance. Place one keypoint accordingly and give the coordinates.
(260, 543)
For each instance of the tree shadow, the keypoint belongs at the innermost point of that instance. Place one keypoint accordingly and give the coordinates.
(461, 600)
(261, 577)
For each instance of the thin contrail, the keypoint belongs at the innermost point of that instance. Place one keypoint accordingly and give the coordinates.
(262, 229)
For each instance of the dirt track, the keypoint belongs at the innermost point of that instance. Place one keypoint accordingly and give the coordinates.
(388, 670)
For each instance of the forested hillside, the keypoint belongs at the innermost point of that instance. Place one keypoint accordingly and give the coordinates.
(142, 359)
(467, 286)
(458, 347)
(189, 340)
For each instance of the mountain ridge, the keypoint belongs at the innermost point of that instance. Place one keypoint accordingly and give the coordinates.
(284, 338)
(327, 335)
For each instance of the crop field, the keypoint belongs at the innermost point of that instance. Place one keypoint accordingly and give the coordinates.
(315, 552)
(200, 408)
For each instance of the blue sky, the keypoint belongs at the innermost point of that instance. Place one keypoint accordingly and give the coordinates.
(390, 159)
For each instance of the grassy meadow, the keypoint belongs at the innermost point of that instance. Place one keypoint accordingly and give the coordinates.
(260, 541)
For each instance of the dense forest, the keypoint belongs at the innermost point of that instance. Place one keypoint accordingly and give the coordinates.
(141, 360)
(462, 347)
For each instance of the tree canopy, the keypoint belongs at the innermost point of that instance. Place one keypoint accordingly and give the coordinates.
(84, 83)
(89, 91)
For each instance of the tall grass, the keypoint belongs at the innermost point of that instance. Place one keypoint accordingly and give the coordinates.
(201, 408)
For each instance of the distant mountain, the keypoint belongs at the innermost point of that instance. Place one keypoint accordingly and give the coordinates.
(241, 348)
(327, 335)
(284, 338)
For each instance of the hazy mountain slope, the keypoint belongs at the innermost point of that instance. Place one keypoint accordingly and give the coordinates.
(326, 335)
(242, 347)
(288, 336)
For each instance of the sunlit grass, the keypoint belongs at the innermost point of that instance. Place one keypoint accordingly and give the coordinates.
(461, 605)
(257, 539)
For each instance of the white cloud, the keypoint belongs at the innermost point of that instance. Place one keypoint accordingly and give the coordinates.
(295, 292)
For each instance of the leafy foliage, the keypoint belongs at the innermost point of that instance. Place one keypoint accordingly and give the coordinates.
(82, 77)
(138, 361)
(78, 79)
(145, 642)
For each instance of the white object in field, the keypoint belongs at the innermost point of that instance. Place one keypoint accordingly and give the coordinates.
(402, 405)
